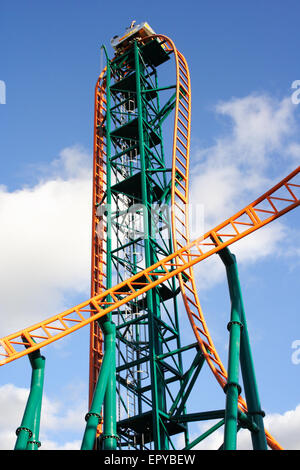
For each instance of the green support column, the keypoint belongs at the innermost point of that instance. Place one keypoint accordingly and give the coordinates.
(92, 418)
(232, 387)
(240, 348)
(28, 432)
(109, 436)
(251, 391)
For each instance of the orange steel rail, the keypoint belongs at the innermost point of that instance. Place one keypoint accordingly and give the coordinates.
(180, 225)
(180, 218)
(270, 206)
(98, 261)
(243, 223)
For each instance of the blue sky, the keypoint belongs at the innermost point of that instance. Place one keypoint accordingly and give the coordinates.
(245, 137)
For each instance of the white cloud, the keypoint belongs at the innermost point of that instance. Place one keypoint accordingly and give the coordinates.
(55, 416)
(258, 150)
(45, 242)
(46, 234)
(260, 126)
(294, 151)
(285, 428)
(249, 250)
(52, 445)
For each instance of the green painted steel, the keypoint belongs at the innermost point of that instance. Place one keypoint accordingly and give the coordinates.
(149, 379)
(251, 390)
(205, 435)
(28, 432)
(232, 386)
(185, 389)
(153, 301)
(94, 416)
(109, 436)
(240, 355)
(144, 385)
(149, 352)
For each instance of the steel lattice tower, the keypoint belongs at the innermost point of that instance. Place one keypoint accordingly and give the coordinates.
(135, 209)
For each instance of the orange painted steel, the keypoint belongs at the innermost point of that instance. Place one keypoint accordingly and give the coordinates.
(180, 225)
(254, 216)
(243, 223)
(98, 262)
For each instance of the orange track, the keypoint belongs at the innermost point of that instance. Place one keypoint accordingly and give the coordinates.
(60, 325)
(98, 264)
(265, 209)
(180, 225)
(243, 223)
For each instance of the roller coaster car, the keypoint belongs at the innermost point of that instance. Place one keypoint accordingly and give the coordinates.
(139, 31)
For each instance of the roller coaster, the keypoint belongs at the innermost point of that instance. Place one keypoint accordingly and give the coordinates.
(140, 381)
